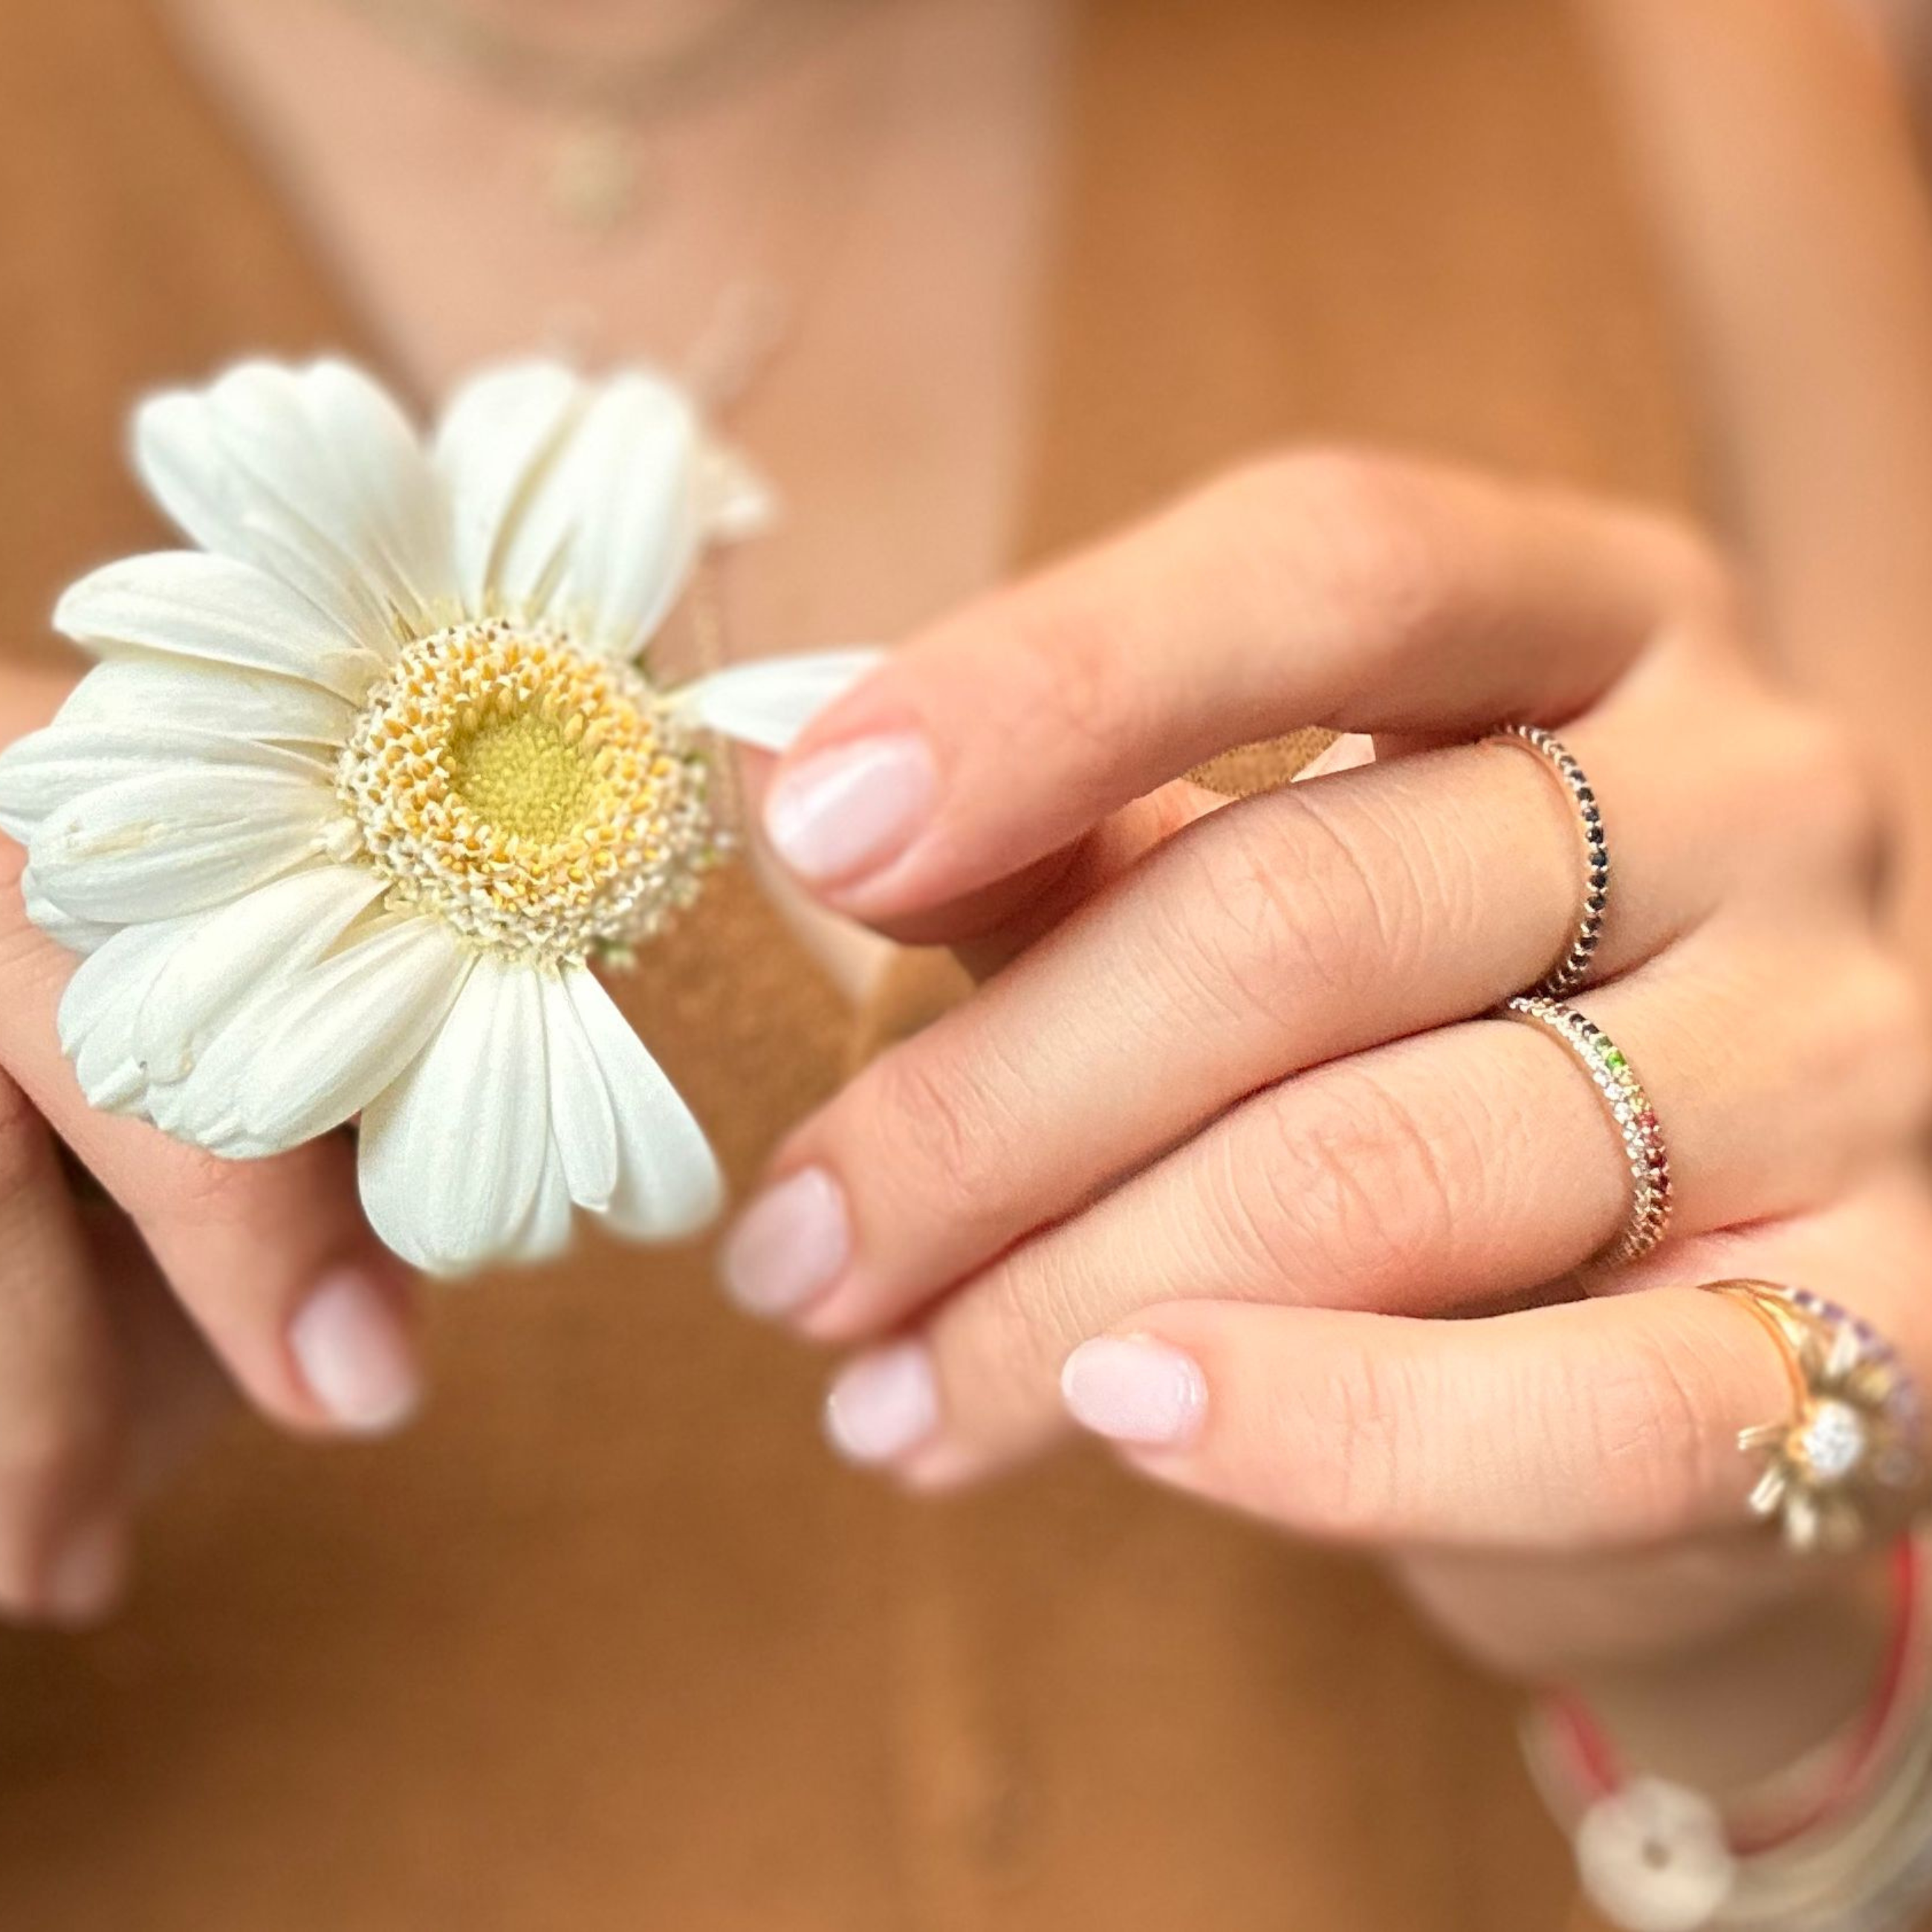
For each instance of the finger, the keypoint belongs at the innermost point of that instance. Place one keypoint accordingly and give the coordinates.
(987, 927)
(1328, 590)
(63, 1489)
(1028, 907)
(174, 1391)
(272, 1258)
(1435, 1175)
(1288, 930)
(996, 925)
(1590, 1424)
(991, 926)
(1564, 1427)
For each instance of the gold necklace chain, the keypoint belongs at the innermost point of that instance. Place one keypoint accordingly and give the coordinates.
(642, 85)
(608, 99)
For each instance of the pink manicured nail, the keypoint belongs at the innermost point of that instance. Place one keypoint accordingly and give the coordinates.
(86, 1578)
(850, 809)
(1132, 1390)
(882, 1405)
(789, 1245)
(355, 1355)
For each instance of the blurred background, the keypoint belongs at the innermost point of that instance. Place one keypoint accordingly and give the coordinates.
(604, 1640)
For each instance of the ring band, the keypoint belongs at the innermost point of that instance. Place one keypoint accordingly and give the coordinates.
(1568, 974)
(1630, 1110)
(1849, 1457)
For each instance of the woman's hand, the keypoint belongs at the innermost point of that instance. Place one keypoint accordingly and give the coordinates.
(121, 1306)
(1234, 1106)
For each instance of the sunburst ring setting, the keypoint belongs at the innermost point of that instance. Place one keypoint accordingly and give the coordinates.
(1850, 1457)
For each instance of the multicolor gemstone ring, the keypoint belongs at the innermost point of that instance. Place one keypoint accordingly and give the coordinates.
(1568, 974)
(1631, 1112)
(1849, 1459)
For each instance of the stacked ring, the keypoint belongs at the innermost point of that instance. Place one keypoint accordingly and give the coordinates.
(1568, 972)
(1630, 1110)
(1849, 1457)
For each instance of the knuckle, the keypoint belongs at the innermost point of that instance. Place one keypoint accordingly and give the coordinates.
(1823, 770)
(1888, 1009)
(1889, 998)
(1240, 938)
(1912, 1064)
(1281, 898)
(1378, 890)
(1014, 1330)
(944, 1137)
(1694, 567)
(1367, 486)
(1645, 1436)
(1069, 681)
(1387, 533)
(1368, 1420)
(1344, 1184)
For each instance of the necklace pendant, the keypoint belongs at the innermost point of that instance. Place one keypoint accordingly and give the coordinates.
(596, 176)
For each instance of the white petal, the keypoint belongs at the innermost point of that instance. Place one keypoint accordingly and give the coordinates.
(611, 526)
(98, 1011)
(78, 935)
(318, 1044)
(211, 697)
(265, 934)
(394, 504)
(188, 604)
(499, 432)
(769, 703)
(49, 768)
(453, 1152)
(583, 1123)
(313, 474)
(181, 458)
(547, 1228)
(668, 1182)
(177, 841)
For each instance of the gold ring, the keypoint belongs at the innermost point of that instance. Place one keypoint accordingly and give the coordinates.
(1568, 974)
(1849, 1459)
(1631, 1112)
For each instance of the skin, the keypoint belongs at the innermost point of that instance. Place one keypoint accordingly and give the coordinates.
(133, 1308)
(1420, 605)
(1242, 1100)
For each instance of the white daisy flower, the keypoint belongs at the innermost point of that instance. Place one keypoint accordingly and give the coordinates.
(360, 787)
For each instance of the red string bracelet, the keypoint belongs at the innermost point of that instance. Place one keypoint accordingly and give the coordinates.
(1594, 1757)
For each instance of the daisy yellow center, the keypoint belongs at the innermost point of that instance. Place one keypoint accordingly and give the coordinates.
(544, 802)
(522, 774)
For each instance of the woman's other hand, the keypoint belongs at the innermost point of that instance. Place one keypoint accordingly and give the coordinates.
(139, 1279)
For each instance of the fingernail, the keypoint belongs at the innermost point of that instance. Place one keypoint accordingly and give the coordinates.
(85, 1580)
(1132, 1390)
(789, 1245)
(882, 1405)
(355, 1355)
(851, 808)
